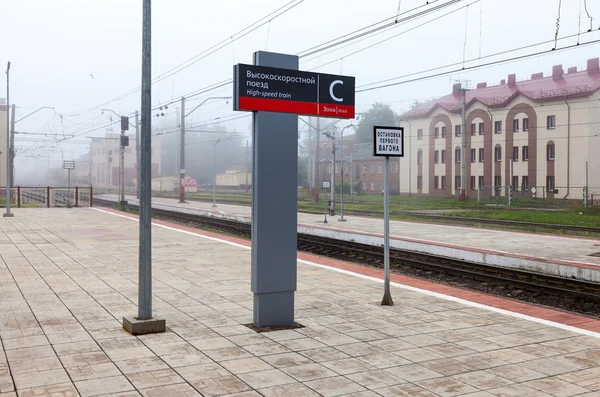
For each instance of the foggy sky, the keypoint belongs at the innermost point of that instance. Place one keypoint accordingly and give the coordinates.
(55, 46)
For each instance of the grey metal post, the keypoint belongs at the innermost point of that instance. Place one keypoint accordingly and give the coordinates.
(463, 150)
(215, 173)
(11, 152)
(387, 295)
(182, 153)
(342, 190)
(351, 176)
(274, 208)
(587, 188)
(69, 188)
(332, 206)
(122, 169)
(145, 255)
(7, 155)
(317, 160)
(137, 154)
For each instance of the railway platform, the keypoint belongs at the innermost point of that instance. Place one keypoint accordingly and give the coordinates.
(68, 276)
(566, 256)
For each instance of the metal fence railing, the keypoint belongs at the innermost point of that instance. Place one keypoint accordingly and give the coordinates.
(48, 196)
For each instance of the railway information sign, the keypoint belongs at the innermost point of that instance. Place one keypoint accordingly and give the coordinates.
(262, 88)
(388, 141)
(326, 184)
(68, 165)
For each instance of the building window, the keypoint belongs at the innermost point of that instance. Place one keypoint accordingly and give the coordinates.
(525, 156)
(480, 180)
(481, 129)
(419, 182)
(473, 129)
(457, 130)
(498, 127)
(372, 186)
(380, 186)
(551, 151)
(379, 169)
(444, 182)
(516, 125)
(473, 155)
(443, 131)
(443, 157)
(330, 168)
(420, 157)
(364, 169)
(550, 183)
(515, 153)
(420, 134)
(372, 168)
(472, 183)
(457, 155)
(337, 168)
(394, 168)
(364, 186)
(551, 122)
(457, 182)
(437, 182)
(437, 132)
(515, 183)
(498, 153)
(497, 181)
(436, 156)
(357, 171)
(481, 151)
(525, 183)
(525, 124)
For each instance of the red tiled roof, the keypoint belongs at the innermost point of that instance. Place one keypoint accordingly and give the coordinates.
(558, 86)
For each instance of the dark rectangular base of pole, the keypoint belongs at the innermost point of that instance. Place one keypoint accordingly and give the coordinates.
(274, 309)
(142, 327)
(8, 215)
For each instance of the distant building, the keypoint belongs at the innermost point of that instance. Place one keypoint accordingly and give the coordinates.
(545, 127)
(3, 132)
(234, 178)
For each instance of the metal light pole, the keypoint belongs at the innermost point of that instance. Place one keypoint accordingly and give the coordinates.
(342, 219)
(215, 172)
(8, 171)
(182, 141)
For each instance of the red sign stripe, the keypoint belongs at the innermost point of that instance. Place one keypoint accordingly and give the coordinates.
(304, 108)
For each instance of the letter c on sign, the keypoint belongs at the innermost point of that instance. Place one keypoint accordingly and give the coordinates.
(331, 91)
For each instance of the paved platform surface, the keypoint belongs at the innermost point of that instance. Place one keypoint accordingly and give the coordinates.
(526, 250)
(68, 276)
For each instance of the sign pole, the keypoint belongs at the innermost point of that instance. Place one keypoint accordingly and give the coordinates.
(387, 295)
(69, 187)
(387, 142)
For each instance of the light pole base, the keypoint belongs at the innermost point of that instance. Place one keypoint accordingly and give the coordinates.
(214, 206)
(342, 220)
(387, 299)
(8, 215)
(142, 327)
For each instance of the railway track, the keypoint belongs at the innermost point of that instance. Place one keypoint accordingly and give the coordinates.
(578, 295)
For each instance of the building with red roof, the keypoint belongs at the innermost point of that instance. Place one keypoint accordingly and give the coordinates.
(537, 133)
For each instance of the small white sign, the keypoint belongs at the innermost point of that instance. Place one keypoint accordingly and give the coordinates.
(388, 141)
(326, 184)
(68, 165)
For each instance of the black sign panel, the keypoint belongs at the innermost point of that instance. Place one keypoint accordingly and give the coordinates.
(260, 88)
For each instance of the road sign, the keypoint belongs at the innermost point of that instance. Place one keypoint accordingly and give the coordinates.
(326, 184)
(261, 88)
(68, 164)
(189, 182)
(388, 141)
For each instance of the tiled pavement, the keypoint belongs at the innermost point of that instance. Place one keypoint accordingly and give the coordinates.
(67, 277)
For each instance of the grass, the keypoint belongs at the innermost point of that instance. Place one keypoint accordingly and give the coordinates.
(574, 217)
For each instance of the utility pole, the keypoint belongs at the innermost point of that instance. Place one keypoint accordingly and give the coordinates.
(215, 172)
(144, 323)
(7, 214)
(137, 154)
(247, 164)
(463, 151)
(182, 153)
(122, 166)
(317, 160)
(332, 208)
(12, 145)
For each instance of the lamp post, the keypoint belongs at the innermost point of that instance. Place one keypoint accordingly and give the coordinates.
(342, 219)
(7, 155)
(215, 172)
(182, 141)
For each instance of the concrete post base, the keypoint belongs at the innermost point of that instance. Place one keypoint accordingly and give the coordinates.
(141, 327)
(275, 309)
(8, 215)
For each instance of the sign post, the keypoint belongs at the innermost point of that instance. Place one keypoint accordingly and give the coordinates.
(387, 142)
(69, 165)
(325, 184)
(277, 92)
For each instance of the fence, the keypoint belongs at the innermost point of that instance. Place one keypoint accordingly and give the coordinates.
(49, 196)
